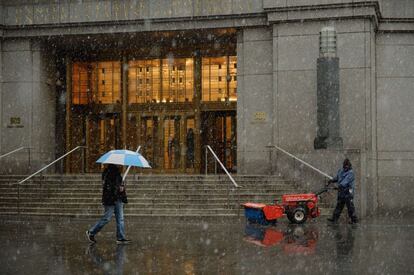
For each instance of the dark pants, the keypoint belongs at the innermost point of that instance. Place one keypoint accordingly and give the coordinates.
(349, 205)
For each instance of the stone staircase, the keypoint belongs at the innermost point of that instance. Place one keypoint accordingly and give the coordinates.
(148, 195)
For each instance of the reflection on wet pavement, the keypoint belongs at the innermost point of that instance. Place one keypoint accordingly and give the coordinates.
(376, 246)
(294, 239)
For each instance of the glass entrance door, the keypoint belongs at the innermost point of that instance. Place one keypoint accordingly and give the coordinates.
(167, 141)
(149, 140)
(172, 142)
(220, 132)
(103, 134)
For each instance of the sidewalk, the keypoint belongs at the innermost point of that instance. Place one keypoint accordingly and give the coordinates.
(376, 246)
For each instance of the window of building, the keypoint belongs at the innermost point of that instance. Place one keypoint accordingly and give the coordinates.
(98, 82)
(219, 78)
(233, 78)
(144, 86)
(106, 78)
(177, 80)
(163, 80)
(80, 83)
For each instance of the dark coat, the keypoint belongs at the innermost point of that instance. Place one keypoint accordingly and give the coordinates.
(111, 182)
(346, 183)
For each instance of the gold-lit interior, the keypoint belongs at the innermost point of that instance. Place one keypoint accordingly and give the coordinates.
(219, 78)
(162, 131)
(144, 81)
(160, 80)
(107, 77)
(177, 80)
(97, 82)
(154, 80)
(80, 83)
(171, 142)
(149, 139)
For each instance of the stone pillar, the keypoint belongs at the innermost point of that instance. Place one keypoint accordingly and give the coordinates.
(197, 113)
(61, 89)
(124, 93)
(328, 133)
(68, 120)
(1, 96)
(255, 100)
(28, 104)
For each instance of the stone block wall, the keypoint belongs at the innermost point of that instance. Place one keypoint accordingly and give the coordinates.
(28, 105)
(295, 52)
(395, 116)
(255, 100)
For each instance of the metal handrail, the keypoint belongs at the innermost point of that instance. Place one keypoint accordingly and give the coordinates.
(50, 164)
(301, 161)
(129, 167)
(14, 151)
(222, 166)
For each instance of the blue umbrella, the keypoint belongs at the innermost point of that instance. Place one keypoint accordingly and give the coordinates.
(124, 157)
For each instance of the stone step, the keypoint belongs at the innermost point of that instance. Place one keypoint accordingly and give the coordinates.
(140, 195)
(140, 175)
(14, 213)
(148, 195)
(144, 187)
(147, 192)
(143, 211)
(97, 205)
(126, 210)
(77, 183)
(144, 178)
(178, 214)
(131, 201)
(148, 213)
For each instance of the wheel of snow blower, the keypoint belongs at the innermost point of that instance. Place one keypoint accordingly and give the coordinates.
(298, 215)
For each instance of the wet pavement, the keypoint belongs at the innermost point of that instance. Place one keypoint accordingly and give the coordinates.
(375, 246)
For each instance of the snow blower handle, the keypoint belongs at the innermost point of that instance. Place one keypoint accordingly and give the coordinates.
(325, 189)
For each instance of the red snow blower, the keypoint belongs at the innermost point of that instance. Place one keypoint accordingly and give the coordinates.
(297, 208)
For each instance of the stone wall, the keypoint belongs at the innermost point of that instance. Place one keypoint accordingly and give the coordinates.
(395, 116)
(1, 96)
(294, 71)
(28, 105)
(52, 12)
(32, 12)
(255, 99)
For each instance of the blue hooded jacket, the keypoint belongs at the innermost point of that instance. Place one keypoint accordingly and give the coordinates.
(346, 183)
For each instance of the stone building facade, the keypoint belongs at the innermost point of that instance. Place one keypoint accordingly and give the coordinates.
(276, 46)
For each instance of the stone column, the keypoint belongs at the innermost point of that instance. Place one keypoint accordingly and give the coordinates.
(255, 100)
(68, 111)
(1, 95)
(197, 113)
(124, 93)
(328, 133)
(28, 104)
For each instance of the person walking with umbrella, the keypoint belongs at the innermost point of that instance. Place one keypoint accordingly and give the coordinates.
(113, 199)
(113, 190)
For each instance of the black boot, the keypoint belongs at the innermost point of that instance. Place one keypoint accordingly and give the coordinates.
(332, 220)
(353, 221)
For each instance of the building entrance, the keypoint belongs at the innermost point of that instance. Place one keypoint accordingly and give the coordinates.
(167, 141)
(220, 132)
(102, 135)
(170, 102)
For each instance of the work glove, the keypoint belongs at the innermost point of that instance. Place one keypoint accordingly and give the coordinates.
(328, 183)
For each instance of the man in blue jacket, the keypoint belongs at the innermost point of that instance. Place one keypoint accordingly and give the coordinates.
(346, 189)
